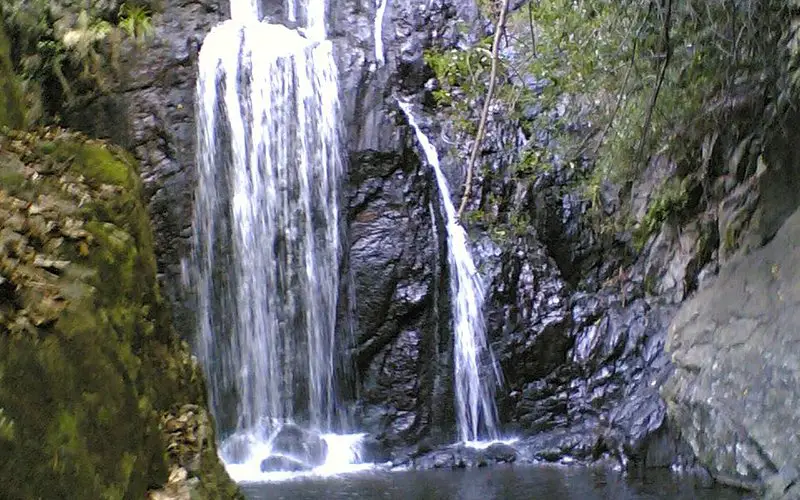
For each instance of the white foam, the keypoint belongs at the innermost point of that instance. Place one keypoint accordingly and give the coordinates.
(344, 455)
(482, 445)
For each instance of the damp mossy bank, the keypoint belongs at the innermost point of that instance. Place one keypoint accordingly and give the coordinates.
(90, 367)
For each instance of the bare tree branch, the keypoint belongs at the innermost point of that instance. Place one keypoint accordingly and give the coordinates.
(667, 50)
(530, 25)
(622, 92)
(476, 146)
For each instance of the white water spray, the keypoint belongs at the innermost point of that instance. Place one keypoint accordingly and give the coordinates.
(266, 232)
(475, 409)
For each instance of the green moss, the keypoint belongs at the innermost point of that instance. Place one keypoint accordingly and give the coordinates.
(667, 204)
(731, 240)
(12, 174)
(650, 284)
(98, 162)
(85, 381)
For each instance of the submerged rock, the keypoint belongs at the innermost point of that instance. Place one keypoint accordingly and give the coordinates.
(306, 446)
(501, 453)
(274, 463)
(374, 451)
(460, 456)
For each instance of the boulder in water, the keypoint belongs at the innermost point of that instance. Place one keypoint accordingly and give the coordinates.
(501, 453)
(306, 446)
(274, 463)
(374, 451)
(468, 457)
(439, 459)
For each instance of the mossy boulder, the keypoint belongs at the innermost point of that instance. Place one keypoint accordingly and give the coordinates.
(89, 362)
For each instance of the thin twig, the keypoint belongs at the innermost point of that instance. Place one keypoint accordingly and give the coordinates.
(654, 97)
(622, 92)
(476, 146)
(530, 25)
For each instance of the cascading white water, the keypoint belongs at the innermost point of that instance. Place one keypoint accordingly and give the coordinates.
(476, 412)
(266, 232)
(378, 31)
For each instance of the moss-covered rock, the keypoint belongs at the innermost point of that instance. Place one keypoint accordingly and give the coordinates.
(89, 363)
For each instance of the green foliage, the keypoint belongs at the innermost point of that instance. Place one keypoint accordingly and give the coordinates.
(82, 41)
(462, 76)
(136, 22)
(70, 49)
(532, 162)
(612, 84)
(618, 62)
(667, 204)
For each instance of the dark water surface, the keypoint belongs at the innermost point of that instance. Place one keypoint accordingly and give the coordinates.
(512, 483)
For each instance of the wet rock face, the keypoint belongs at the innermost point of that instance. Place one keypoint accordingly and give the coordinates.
(368, 86)
(393, 266)
(564, 353)
(572, 328)
(529, 320)
(734, 391)
(582, 370)
(157, 99)
(394, 277)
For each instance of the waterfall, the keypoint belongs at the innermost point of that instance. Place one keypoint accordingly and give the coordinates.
(475, 409)
(378, 31)
(266, 234)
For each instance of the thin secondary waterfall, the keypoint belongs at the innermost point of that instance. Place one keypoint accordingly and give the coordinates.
(378, 31)
(266, 231)
(475, 408)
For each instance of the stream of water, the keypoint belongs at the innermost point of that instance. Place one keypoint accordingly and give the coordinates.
(378, 31)
(474, 386)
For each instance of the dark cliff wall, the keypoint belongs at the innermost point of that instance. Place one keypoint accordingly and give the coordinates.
(394, 268)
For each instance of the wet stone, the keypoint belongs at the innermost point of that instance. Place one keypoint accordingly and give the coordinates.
(275, 463)
(307, 446)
